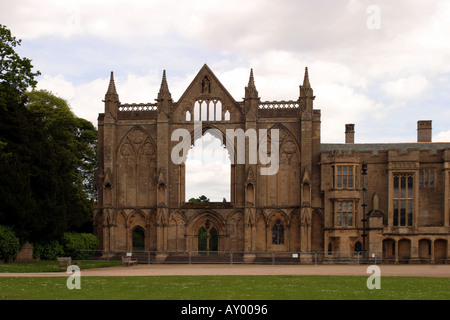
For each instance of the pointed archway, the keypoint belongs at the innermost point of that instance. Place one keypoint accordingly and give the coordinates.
(208, 240)
(207, 231)
(138, 238)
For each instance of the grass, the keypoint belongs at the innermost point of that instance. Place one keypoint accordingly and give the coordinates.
(225, 288)
(50, 266)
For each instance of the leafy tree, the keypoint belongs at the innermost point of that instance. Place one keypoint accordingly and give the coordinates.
(16, 74)
(202, 198)
(47, 155)
(64, 169)
(9, 243)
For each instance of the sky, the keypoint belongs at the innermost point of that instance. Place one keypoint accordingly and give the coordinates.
(382, 65)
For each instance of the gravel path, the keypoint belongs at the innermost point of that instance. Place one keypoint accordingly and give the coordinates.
(249, 269)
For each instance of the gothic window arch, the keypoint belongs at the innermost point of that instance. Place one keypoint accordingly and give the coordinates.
(278, 232)
(207, 110)
(135, 158)
(208, 239)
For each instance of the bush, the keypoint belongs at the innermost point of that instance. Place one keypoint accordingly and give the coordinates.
(79, 246)
(9, 243)
(48, 250)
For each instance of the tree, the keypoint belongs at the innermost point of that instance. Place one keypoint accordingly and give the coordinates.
(9, 243)
(16, 200)
(63, 172)
(202, 198)
(47, 155)
(16, 74)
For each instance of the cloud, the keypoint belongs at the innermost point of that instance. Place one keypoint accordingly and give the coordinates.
(443, 136)
(355, 72)
(406, 88)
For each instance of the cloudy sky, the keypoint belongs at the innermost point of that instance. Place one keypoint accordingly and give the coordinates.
(382, 65)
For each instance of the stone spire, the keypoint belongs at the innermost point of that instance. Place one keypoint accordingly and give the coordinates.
(305, 89)
(164, 92)
(250, 90)
(111, 94)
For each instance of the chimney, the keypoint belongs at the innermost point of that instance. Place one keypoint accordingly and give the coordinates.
(424, 131)
(349, 133)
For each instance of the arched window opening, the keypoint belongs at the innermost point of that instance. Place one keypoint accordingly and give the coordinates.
(213, 240)
(358, 247)
(204, 111)
(208, 170)
(197, 111)
(278, 233)
(188, 116)
(138, 239)
(211, 113)
(208, 240)
(218, 111)
(202, 240)
(227, 115)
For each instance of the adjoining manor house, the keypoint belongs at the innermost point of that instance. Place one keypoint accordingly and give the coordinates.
(318, 201)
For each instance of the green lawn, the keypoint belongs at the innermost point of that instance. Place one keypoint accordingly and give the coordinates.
(50, 266)
(224, 288)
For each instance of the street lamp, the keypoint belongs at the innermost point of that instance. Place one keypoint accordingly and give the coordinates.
(364, 205)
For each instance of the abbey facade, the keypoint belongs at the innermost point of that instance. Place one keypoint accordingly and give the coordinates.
(390, 201)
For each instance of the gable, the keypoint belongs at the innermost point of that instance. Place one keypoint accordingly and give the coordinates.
(206, 86)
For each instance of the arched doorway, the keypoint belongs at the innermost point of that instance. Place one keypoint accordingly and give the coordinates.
(440, 251)
(208, 239)
(208, 169)
(389, 250)
(138, 238)
(424, 250)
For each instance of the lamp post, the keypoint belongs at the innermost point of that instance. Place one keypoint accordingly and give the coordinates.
(364, 205)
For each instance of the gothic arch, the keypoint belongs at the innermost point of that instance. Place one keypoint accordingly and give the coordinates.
(294, 231)
(216, 131)
(198, 220)
(177, 230)
(261, 231)
(284, 135)
(236, 231)
(278, 231)
(207, 220)
(288, 176)
(137, 217)
(135, 170)
(120, 221)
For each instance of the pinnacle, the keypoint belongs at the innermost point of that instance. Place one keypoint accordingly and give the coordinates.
(306, 83)
(251, 81)
(112, 85)
(164, 89)
(250, 90)
(305, 89)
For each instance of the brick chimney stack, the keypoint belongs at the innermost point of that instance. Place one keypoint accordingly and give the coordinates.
(424, 131)
(349, 133)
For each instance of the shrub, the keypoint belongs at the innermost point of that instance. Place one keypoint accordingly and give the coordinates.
(79, 246)
(48, 250)
(9, 243)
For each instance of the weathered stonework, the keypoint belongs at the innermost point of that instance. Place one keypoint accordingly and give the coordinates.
(299, 209)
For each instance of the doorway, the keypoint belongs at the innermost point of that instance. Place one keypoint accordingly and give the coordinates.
(208, 240)
(138, 239)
